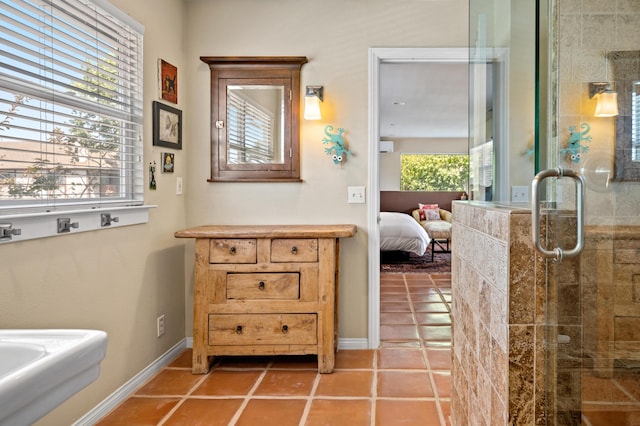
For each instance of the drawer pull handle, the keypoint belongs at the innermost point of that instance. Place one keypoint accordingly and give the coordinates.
(294, 250)
(261, 285)
(239, 329)
(285, 329)
(232, 250)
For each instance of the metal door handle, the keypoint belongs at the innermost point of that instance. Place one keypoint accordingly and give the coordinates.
(558, 253)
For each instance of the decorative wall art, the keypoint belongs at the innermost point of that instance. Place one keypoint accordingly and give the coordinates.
(167, 126)
(168, 76)
(577, 143)
(167, 159)
(337, 148)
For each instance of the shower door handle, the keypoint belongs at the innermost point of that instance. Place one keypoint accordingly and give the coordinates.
(558, 253)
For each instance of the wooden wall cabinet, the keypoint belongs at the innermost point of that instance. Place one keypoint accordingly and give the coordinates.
(266, 290)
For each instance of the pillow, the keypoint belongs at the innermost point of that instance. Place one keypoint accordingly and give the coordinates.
(429, 211)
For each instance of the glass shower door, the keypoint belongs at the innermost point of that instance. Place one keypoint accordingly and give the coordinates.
(593, 299)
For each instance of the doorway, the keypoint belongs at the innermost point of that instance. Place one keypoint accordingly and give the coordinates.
(377, 57)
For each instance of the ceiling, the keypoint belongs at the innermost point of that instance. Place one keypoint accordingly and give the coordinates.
(423, 100)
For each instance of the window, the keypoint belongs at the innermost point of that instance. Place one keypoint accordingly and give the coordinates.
(70, 106)
(434, 172)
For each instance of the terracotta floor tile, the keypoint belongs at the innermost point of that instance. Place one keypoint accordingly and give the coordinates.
(435, 332)
(183, 360)
(272, 412)
(345, 383)
(170, 382)
(287, 383)
(426, 297)
(440, 344)
(139, 412)
(402, 384)
(295, 362)
(228, 383)
(396, 318)
(325, 412)
(398, 332)
(350, 359)
(433, 318)
(393, 297)
(406, 413)
(439, 359)
(443, 383)
(401, 359)
(445, 406)
(395, 307)
(433, 307)
(204, 412)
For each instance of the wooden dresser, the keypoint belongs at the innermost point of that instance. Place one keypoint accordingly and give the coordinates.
(266, 290)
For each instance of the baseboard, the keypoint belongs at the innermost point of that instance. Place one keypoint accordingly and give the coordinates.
(124, 391)
(353, 344)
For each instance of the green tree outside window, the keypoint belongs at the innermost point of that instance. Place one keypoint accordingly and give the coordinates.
(434, 172)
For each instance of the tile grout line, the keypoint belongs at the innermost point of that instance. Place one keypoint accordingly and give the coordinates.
(183, 398)
(248, 396)
(307, 406)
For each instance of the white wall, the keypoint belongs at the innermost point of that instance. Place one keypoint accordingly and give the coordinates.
(117, 280)
(336, 36)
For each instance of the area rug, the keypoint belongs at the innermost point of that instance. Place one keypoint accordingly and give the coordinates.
(410, 262)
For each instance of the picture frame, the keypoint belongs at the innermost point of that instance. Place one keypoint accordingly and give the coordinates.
(167, 126)
(167, 162)
(167, 81)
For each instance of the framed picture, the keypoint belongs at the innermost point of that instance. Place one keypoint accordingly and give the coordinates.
(167, 126)
(168, 163)
(168, 76)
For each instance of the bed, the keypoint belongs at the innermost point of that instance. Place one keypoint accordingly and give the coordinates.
(401, 232)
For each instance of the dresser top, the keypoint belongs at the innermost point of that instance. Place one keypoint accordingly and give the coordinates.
(268, 231)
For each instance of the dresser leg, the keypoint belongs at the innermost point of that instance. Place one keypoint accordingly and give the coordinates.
(200, 362)
(326, 363)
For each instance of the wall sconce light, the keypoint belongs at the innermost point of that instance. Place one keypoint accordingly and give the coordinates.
(312, 98)
(607, 99)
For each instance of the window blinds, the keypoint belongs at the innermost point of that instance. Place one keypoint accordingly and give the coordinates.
(70, 105)
(250, 132)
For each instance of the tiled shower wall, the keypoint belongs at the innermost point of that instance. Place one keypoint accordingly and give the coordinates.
(498, 364)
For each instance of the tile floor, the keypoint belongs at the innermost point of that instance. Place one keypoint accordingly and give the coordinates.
(405, 382)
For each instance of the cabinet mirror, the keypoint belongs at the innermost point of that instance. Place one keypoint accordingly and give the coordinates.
(255, 113)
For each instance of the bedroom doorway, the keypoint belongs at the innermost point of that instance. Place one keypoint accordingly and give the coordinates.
(377, 58)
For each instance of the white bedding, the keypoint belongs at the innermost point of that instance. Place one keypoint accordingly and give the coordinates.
(399, 231)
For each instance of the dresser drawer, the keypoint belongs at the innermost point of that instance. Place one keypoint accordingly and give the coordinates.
(263, 286)
(263, 329)
(294, 250)
(228, 250)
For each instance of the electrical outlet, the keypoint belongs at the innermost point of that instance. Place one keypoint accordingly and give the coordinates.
(355, 194)
(520, 194)
(160, 325)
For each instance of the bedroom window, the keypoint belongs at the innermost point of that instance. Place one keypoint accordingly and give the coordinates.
(71, 108)
(434, 172)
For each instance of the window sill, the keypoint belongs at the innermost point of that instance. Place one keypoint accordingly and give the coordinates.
(30, 226)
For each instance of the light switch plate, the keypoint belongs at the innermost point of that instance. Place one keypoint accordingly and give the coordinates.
(178, 186)
(355, 194)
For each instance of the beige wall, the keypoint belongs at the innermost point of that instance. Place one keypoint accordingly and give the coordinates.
(336, 36)
(117, 280)
(120, 280)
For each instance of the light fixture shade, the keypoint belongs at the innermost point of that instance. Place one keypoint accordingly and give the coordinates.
(312, 108)
(607, 105)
